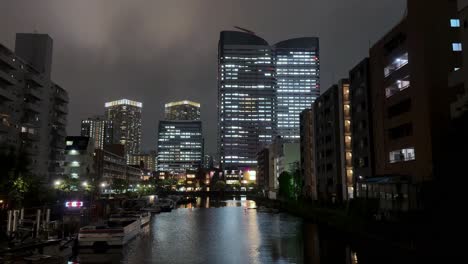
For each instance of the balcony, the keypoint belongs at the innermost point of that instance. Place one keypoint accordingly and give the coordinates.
(32, 107)
(396, 64)
(61, 95)
(59, 144)
(61, 120)
(61, 108)
(59, 132)
(34, 93)
(6, 93)
(36, 79)
(29, 137)
(57, 155)
(397, 87)
(4, 127)
(8, 60)
(8, 78)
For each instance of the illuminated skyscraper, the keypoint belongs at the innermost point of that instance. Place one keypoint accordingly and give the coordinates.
(98, 128)
(297, 74)
(182, 110)
(180, 138)
(180, 146)
(246, 98)
(126, 118)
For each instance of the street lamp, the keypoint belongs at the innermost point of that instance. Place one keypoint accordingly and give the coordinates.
(84, 184)
(57, 183)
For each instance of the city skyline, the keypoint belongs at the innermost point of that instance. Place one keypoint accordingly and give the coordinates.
(105, 63)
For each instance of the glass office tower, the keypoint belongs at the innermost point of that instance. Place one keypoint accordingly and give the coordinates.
(297, 74)
(180, 146)
(246, 98)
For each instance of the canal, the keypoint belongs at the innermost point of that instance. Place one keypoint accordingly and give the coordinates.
(233, 231)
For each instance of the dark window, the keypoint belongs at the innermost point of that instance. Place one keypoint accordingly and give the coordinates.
(400, 108)
(404, 130)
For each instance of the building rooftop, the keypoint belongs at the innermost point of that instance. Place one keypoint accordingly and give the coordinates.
(123, 102)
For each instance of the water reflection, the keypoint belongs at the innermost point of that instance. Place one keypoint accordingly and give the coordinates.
(232, 231)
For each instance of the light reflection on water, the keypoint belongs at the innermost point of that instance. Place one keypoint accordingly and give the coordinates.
(220, 232)
(232, 231)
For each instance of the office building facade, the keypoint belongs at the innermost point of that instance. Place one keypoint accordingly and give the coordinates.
(246, 98)
(99, 129)
(33, 109)
(180, 146)
(125, 116)
(298, 83)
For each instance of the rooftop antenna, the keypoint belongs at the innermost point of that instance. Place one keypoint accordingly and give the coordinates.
(245, 30)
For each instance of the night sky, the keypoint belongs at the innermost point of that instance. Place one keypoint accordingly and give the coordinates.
(158, 51)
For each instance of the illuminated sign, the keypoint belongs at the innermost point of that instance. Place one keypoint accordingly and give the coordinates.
(73, 204)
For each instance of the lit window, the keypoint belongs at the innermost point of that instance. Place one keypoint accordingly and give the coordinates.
(455, 23)
(402, 155)
(69, 143)
(457, 46)
(456, 69)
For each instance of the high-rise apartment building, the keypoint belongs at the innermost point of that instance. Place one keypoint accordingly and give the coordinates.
(307, 145)
(180, 141)
(361, 117)
(126, 119)
(246, 98)
(411, 99)
(33, 109)
(99, 129)
(182, 110)
(298, 83)
(333, 152)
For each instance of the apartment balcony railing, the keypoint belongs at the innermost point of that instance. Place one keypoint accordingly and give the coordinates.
(61, 108)
(32, 107)
(8, 78)
(6, 93)
(8, 60)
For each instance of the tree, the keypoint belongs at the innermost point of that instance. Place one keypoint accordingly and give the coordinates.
(119, 186)
(286, 185)
(220, 186)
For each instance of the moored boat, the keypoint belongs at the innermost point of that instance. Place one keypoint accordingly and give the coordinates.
(111, 234)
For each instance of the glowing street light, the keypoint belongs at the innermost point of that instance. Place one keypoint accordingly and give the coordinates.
(57, 183)
(85, 184)
(103, 184)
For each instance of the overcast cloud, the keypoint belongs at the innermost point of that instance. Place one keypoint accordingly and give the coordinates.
(158, 51)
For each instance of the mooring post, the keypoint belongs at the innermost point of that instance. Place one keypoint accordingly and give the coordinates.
(9, 223)
(38, 222)
(15, 220)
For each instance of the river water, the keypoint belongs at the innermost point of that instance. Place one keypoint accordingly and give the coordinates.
(233, 231)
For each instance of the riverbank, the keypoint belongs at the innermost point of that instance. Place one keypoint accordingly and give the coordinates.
(399, 236)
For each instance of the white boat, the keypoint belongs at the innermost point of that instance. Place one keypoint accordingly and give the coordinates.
(142, 217)
(112, 234)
